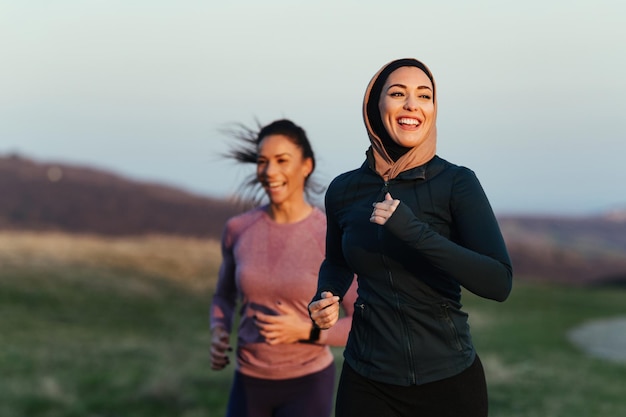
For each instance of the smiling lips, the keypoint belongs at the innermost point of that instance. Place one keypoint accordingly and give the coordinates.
(407, 121)
(274, 185)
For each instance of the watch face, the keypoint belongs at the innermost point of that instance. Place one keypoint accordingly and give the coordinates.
(315, 334)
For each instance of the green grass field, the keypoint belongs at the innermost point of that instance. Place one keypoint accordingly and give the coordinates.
(105, 339)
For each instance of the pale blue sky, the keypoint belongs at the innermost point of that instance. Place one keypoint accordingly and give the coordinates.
(531, 94)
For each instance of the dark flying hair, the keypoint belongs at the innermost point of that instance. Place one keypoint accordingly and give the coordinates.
(247, 151)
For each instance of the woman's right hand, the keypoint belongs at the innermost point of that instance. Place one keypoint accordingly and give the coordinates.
(325, 311)
(219, 347)
(384, 209)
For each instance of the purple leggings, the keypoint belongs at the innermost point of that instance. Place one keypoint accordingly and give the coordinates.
(306, 396)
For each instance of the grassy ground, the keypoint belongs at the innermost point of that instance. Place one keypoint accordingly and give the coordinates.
(532, 369)
(95, 327)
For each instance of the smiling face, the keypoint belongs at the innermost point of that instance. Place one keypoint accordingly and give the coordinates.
(282, 169)
(407, 106)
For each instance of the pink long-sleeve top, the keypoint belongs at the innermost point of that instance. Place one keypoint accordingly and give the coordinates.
(264, 263)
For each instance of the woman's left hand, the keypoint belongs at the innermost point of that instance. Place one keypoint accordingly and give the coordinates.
(384, 209)
(287, 327)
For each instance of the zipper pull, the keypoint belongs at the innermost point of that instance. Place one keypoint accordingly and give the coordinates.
(384, 190)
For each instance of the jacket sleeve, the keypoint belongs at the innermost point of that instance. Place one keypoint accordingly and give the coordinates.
(338, 334)
(225, 297)
(335, 275)
(479, 261)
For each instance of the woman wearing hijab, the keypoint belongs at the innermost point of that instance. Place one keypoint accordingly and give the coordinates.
(415, 228)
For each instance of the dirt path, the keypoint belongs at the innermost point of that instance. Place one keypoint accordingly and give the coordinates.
(602, 338)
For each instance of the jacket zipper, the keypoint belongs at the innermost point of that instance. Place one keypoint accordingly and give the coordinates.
(384, 190)
(361, 307)
(413, 377)
(454, 334)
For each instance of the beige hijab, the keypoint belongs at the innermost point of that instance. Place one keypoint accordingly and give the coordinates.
(386, 167)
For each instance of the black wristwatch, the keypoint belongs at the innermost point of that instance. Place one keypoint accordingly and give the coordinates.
(314, 336)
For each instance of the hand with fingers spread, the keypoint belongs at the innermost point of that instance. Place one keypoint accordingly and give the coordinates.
(384, 209)
(325, 311)
(219, 347)
(286, 327)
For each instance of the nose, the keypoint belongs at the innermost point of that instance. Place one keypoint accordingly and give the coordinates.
(268, 169)
(410, 103)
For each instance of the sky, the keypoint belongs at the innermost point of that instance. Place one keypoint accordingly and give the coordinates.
(530, 94)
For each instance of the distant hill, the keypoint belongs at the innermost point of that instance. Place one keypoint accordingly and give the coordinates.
(574, 250)
(50, 196)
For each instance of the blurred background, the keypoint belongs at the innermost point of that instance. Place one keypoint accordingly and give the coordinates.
(530, 93)
(113, 190)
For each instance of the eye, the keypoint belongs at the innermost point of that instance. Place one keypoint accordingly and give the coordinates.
(426, 96)
(396, 94)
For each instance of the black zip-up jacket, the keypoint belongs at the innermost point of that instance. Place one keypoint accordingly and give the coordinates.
(408, 326)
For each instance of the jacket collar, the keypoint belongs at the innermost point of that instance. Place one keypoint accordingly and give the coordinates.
(423, 172)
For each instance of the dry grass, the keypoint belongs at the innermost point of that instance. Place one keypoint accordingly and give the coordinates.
(72, 343)
(188, 261)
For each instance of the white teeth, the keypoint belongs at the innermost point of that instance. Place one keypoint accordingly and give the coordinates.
(408, 121)
(274, 184)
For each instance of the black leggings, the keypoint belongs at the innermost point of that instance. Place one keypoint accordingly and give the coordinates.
(463, 395)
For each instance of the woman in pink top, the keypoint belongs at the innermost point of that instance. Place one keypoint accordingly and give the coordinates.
(271, 258)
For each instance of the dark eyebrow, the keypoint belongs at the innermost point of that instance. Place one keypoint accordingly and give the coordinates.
(280, 155)
(421, 87)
